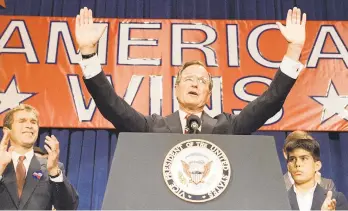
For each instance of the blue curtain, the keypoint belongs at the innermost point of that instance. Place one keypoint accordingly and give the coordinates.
(188, 9)
(87, 154)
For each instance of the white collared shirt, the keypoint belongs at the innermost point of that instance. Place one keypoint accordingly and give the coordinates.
(28, 156)
(182, 115)
(305, 200)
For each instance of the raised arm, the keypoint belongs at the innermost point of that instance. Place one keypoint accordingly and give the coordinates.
(256, 113)
(111, 106)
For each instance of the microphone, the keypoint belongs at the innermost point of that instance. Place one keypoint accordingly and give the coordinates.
(193, 123)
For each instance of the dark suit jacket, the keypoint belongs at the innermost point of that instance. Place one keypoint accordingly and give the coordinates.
(327, 184)
(251, 118)
(319, 198)
(38, 194)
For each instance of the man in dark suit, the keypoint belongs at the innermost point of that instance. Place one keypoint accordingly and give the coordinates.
(28, 182)
(325, 183)
(192, 88)
(303, 162)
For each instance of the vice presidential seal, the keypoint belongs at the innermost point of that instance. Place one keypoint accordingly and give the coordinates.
(196, 170)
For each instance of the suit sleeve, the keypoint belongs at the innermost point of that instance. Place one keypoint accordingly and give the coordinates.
(257, 112)
(64, 196)
(342, 203)
(114, 108)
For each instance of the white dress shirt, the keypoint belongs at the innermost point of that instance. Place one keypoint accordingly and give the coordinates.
(182, 115)
(305, 200)
(91, 67)
(28, 157)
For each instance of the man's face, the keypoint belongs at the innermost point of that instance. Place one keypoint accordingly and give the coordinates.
(25, 129)
(302, 166)
(193, 89)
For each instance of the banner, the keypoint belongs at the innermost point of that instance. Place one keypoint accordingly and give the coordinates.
(39, 66)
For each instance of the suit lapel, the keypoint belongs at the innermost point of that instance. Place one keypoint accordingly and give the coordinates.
(30, 181)
(9, 178)
(293, 199)
(174, 123)
(208, 124)
(318, 198)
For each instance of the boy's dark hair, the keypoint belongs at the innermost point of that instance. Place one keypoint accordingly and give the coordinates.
(310, 145)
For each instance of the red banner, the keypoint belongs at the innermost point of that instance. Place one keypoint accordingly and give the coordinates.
(39, 66)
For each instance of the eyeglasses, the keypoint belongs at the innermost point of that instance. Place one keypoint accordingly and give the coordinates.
(191, 78)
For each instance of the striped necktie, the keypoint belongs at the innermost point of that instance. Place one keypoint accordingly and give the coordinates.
(20, 175)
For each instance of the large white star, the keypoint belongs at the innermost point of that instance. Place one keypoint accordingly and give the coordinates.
(332, 103)
(12, 97)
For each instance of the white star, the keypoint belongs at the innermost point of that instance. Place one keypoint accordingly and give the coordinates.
(332, 103)
(12, 97)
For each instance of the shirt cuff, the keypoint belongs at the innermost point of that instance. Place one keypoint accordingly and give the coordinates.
(59, 178)
(290, 67)
(90, 67)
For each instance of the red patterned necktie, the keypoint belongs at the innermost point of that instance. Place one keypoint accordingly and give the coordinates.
(20, 175)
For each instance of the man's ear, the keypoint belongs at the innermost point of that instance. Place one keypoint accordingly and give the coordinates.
(175, 89)
(6, 129)
(318, 165)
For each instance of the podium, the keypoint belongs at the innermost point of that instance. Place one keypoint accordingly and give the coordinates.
(139, 178)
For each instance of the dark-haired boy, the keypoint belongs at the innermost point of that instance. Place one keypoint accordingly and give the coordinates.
(303, 163)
